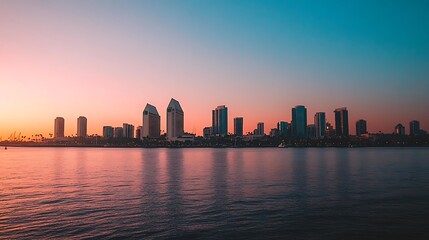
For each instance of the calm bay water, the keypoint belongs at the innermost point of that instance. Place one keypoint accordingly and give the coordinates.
(366, 193)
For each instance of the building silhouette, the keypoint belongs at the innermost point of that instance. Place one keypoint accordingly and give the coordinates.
(82, 126)
(151, 122)
(207, 132)
(341, 122)
(59, 127)
(260, 129)
(128, 130)
(118, 132)
(361, 127)
(299, 122)
(139, 132)
(175, 120)
(311, 131)
(414, 128)
(283, 128)
(399, 129)
(238, 126)
(320, 125)
(108, 132)
(220, 121)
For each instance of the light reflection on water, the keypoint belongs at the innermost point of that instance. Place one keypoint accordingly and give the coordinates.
(305, 193)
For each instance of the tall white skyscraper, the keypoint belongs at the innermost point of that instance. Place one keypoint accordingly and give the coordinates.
(59, 127)
(82, 126)
(175, 120)
(151, 122)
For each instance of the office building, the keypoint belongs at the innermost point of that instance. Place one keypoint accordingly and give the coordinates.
(274, 132)
(299, 122)
(238, 126)
(320, 125)
(118, 132)
(400, 129)
(283, 128)
(207, 132)
(260, 129)
(341, 122)
(220, 120)
(139, 132)
(108, 132)
(361, 127)
(128, 130)
(414, 128)
(151, 122)
(82, 126)
(175, 120)
(311, 131)
(59, 127)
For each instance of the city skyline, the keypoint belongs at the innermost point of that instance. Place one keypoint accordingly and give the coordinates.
(105, 60)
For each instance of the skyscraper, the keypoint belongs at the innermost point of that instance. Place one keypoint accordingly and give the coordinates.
(260, 129)
(118, 132)
(238, 126)
(320, 124)
(361, 127)
(414, 128)
(220, 121)
(128, 130)
(341, 122)
(59, 127)
(82, 126)
(108, 131)
(139, 132)
(151, 122)
(175, 120)
(283, 128)
(399, 129)
(299, 122)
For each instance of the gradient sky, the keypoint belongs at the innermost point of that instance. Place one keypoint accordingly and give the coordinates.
(106, 59)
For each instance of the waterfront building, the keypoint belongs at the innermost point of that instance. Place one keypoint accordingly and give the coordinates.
(118, 132)
(108, 132)
(175, 120)
(151, 122)
(82, 126)
(330, 131)
(311, 131)
(320, 125)
(139, 132)
(414, 128)
(299, 122)
(128, 130)
(238, 126)
(361, 127)
(283, 128)
(274, 132)
(220, 120)
(59, 128)
(341, 122)
(207, 132)
(260, 129)
(400, 129)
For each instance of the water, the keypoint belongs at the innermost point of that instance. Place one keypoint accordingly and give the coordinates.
(366, 193)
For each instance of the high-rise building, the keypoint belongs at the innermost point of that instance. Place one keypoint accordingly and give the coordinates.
(329, 129)
(399, 129)
(108, 132)
(299, 122)
(238, 126)
(175, 120)
(118, 132)
(320, 124)
(283, 128)
(260, 129)
(341, 122)
(361, 127)
(414, 128)
(274, 132)
(220, 121)
(151, 122)
(59, 127)
(311, 131)
(82, 126)
(128, 130)
(139, 132)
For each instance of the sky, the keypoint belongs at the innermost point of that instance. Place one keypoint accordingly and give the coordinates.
(106, 59)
